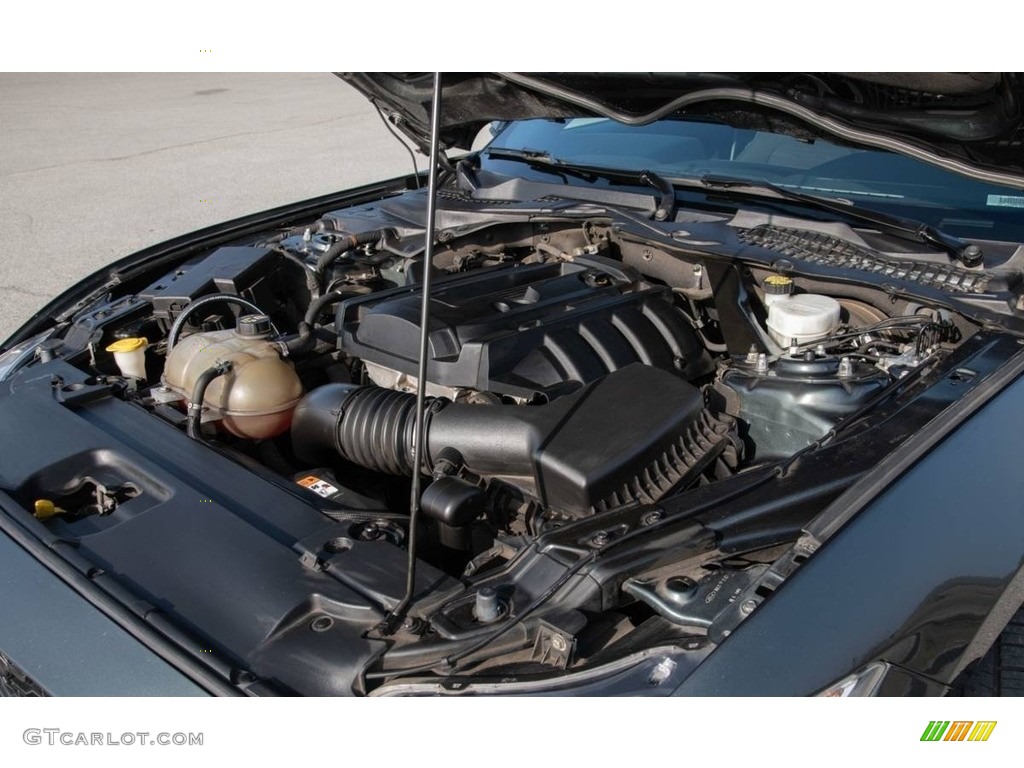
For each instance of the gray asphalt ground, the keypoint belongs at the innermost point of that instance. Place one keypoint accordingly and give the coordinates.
(96, 166)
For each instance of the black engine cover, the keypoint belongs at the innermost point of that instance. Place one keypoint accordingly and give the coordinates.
(526, 329)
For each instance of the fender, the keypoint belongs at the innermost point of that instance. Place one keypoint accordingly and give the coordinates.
(925, 567)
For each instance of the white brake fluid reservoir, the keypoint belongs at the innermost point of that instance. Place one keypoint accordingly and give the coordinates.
(803, 316)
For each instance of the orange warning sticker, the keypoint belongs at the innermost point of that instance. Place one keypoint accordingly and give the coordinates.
(318, 486)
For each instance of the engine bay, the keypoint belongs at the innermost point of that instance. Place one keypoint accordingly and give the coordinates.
(561, 380)
(588, 383)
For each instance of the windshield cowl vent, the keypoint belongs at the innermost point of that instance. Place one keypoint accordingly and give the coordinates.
(818, 248)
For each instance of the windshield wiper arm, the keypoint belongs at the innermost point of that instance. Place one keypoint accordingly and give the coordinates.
(969, 254)
(541, 159)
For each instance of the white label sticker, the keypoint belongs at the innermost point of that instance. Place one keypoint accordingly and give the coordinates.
(318, 486)
(1006, 201)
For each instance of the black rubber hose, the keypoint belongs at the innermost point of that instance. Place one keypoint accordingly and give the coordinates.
(375, 427)
(370, 426)
(346, 242)
(195, 406)
(179, 323)
(304, 339)
(331, 255)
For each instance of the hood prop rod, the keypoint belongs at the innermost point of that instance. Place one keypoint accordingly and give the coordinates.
(394, 619)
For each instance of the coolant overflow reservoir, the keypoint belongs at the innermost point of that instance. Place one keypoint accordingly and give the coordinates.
(257, 397)
(802, 316)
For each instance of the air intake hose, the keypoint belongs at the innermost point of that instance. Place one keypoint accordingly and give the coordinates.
(375, 428)
(573, 452)
(370, 426)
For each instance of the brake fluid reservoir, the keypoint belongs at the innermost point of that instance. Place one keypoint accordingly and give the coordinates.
(802, 316)
(256, 398)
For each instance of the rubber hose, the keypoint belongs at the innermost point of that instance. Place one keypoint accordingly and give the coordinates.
(172, 337)
(374, 427)
(347, 242)
(370, 426)
(195, 406)
(305, 337)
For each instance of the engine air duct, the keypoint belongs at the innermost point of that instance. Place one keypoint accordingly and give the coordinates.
(633, 435)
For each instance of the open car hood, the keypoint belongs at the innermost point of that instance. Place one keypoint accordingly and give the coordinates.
(966, 122)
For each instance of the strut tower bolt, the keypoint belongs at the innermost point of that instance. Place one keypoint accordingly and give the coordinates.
(652, 517)
(487, 608)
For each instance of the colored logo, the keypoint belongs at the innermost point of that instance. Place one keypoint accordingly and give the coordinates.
(958, 730)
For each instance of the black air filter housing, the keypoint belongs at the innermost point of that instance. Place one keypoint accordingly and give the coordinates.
(589, 446)
(633, 435)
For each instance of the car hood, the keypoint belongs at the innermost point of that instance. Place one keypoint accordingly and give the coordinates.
(967, 122)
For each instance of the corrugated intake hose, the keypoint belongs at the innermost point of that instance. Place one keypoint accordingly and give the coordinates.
(573, 453)
(370, 426)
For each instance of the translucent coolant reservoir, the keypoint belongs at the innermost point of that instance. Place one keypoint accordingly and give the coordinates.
(802, 316)
(256, 398)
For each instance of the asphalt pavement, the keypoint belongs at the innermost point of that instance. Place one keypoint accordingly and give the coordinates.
(96, 166)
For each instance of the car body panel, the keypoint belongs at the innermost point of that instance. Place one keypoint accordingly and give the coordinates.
(912, 579)
(968, 120)
(920, 578)
(69, 647)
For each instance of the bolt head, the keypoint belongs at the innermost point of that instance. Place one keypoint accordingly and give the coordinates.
(972, 255)
(321, 623)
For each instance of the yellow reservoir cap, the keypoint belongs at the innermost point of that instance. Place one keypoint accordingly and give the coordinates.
(128, 345)
(776, 287)
(45, 509)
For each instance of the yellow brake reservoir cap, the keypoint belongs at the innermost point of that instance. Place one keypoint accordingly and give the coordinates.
(128, 345)
(776, 285)
(45, 509)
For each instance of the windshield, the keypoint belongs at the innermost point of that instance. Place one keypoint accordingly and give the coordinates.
(685, 148)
